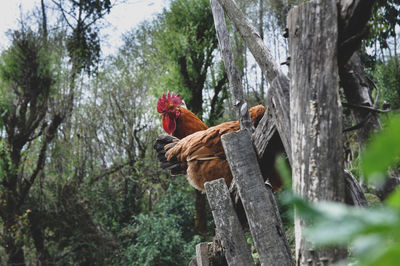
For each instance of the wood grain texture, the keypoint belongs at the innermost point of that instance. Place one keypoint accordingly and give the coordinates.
(315, 117)
(258, 201)
(264, 133)
(278, 104)
(234, 76)
(356, 89)
(354, 192)
(202, 254)
(228, 228)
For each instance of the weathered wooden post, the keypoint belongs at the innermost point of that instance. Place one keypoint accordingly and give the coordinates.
(258, 200)
(228, 228)
(320, 78)
(315, 116)
(234, 77)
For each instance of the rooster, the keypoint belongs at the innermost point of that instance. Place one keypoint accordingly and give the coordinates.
(194, 149)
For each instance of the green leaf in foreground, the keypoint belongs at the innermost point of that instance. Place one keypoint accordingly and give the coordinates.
(383, 151)
(373, 234)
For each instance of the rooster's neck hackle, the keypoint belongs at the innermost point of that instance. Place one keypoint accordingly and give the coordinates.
(187, 124)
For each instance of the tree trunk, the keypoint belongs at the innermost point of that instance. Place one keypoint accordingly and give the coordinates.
(356, 89)
(315, 118)
(36, 228)
(44, 20)
(261, 31)
(13, 246)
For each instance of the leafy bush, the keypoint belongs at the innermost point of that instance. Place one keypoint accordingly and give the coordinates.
(164, 236)
(387, 76)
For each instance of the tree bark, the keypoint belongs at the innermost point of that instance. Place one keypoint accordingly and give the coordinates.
(356, 89)
(37, 232)
(353, 17)
(202, 254)
(278, 104)
(44, 20)
(354, 194)
(315, 117)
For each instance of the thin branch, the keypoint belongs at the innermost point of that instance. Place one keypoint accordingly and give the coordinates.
(252, 39)
(51, 131)
(63, 13)
(109, 171)
(366, 108)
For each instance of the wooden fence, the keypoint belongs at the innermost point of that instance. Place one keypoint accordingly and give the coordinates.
(304, 111)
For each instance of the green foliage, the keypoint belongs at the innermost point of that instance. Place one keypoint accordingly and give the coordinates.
(26, 66)
(387, 77)
(383, 151)
(386, 17)
(5, 162)
(185, 39)
(164, 236)
(83, 44)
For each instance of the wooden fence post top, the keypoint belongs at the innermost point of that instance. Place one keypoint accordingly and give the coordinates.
(228, 228)
(258, 201)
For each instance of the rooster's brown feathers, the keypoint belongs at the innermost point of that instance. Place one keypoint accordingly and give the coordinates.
(200, 155)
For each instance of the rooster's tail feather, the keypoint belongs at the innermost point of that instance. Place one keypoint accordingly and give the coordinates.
(174, 166)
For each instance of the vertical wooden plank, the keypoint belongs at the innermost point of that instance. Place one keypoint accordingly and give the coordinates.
(278, 104)
(264, 132)
(236, 249)
(202, 254)
(315, 116)
(258, 201)
(234, 76)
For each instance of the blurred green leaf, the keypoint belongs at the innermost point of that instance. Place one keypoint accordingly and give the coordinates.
(383, 151)
(394, 199)
(284, 171)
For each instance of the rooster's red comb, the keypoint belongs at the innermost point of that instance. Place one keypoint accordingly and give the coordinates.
(163, 102)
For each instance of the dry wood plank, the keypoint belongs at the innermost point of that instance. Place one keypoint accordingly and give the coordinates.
(202, 254)
(234, 76)
(354, 192)
(228, 228)
(258, 200)
(193, 262)
(315, 117)
(264, 132)
(278, 104)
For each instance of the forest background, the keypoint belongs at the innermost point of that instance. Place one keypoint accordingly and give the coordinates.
(79, 179)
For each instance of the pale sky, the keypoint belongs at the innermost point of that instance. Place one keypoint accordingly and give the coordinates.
(122, 18)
